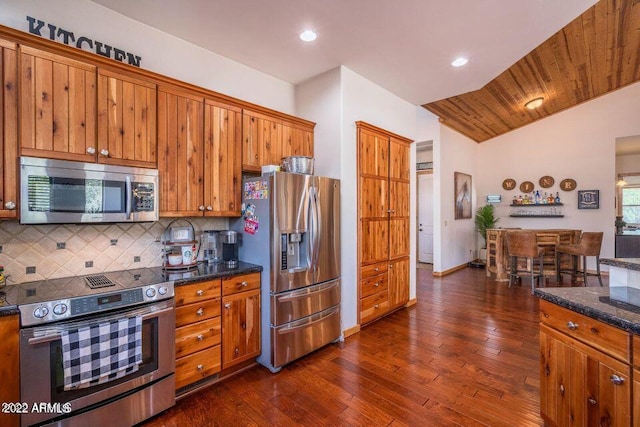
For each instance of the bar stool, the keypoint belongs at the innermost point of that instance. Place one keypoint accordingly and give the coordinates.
(589, 245)
(524, 244)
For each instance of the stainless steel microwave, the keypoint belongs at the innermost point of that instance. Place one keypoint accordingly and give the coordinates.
(60, 191)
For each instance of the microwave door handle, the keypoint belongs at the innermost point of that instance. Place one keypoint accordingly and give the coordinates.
(128, 197)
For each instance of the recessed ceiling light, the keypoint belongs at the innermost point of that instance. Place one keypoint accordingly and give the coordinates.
(459, 62)
(308, 35)
(534, 103)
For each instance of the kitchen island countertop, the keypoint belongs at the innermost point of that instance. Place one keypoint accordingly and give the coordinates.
(597, 303)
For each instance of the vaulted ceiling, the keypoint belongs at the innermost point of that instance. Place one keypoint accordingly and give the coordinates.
(594, 54)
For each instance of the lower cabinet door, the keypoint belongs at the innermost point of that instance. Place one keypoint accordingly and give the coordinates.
(240, 327)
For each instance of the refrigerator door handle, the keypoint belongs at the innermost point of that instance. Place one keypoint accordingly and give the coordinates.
(314, 227)
(318, 228)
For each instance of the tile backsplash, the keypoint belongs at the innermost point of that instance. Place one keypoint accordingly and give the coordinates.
(36, 252)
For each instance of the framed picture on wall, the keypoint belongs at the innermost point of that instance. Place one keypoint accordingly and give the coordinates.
(589, 199)
(462, 195)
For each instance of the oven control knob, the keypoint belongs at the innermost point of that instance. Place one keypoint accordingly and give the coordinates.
(151, 292)
(60, 309)
(40, 312)
(163, 290)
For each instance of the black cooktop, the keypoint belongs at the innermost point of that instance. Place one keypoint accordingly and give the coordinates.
(70, 287)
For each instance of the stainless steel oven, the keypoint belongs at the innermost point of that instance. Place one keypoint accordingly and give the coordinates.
(59, 191)
(124, 401)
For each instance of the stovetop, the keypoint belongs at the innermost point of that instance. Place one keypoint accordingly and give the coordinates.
(72, 287)
(54, 300)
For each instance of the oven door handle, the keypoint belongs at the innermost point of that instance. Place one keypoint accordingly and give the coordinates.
(54, 336)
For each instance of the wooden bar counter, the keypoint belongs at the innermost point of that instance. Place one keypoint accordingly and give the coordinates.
(498, 258)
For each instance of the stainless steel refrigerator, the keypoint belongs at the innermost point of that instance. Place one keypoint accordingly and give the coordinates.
(291, 226)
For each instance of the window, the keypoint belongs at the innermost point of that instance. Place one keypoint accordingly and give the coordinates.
(631, 205)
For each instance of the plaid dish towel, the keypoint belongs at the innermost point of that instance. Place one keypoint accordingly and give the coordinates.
(100, 353)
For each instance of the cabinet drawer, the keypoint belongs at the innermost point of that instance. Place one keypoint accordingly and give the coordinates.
(245, 282)
(197, 312)
(373, 285)
(197, 366)
(373, 269)
(201, 291)
(606, 338)
(198, 336)
(374, 306)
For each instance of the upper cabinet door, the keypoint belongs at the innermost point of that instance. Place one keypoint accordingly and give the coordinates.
(296, 141)
(126, 120)
(8, 131)
(261, 141)
(222, 159)
(373, 154)
(399, 159)
(180, 153)
(57, 106)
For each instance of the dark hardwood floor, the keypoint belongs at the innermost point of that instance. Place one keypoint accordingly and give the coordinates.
(466, 354)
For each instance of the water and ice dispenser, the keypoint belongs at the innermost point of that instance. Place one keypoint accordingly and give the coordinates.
(293, 251)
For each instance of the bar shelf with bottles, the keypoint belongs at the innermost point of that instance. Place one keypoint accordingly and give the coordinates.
(536, 200)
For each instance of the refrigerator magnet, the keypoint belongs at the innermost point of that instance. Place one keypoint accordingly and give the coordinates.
(251, 225)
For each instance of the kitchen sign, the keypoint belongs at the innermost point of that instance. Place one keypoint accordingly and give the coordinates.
(42, 29)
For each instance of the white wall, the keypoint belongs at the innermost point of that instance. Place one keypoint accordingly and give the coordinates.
(578, 143)
(456, 239)
(320, 100)
(160, 52)
(336, 100)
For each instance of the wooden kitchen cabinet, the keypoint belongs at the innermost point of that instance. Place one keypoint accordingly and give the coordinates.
(180, 152)
(585, 372)
(222, 159)
(240, 319)
(198, 332)
(8, 130)
(10, 366)
(383, 211)
(57, 106)
(267, 139)
(127, 114)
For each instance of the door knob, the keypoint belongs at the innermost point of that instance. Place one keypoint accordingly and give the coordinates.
(421, 229)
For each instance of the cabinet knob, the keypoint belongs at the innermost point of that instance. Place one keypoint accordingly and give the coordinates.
(236, 350)
(244, 326)
(244, 284)
(10, 205)
(200, 367)
(376, 284)
(199, 292)
(390, 265)
(91, 150)
(572, 326)
(200, 311)
(227, 305)
(616, 379)
(209, 208)
(562, 389)
(376, 306)
(104, 152)
(592, 401)
(376, 269)
(200, 337)
(201, 208)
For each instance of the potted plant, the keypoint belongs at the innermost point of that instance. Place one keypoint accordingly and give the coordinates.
(485, 219)
(620, 224)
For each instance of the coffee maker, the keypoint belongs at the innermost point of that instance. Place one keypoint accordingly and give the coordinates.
(220, 247)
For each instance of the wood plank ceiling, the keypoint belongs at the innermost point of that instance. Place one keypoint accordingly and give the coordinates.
(596, 53)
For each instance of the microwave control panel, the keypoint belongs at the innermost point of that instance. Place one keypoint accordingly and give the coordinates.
(143, 200)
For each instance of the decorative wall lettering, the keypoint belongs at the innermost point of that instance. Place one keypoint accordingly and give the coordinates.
(52, 32)
(509, 184)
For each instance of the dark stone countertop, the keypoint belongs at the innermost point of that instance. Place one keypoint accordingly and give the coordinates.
(604, 304)
(9, 295)
(210, 271)
(629, 263)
